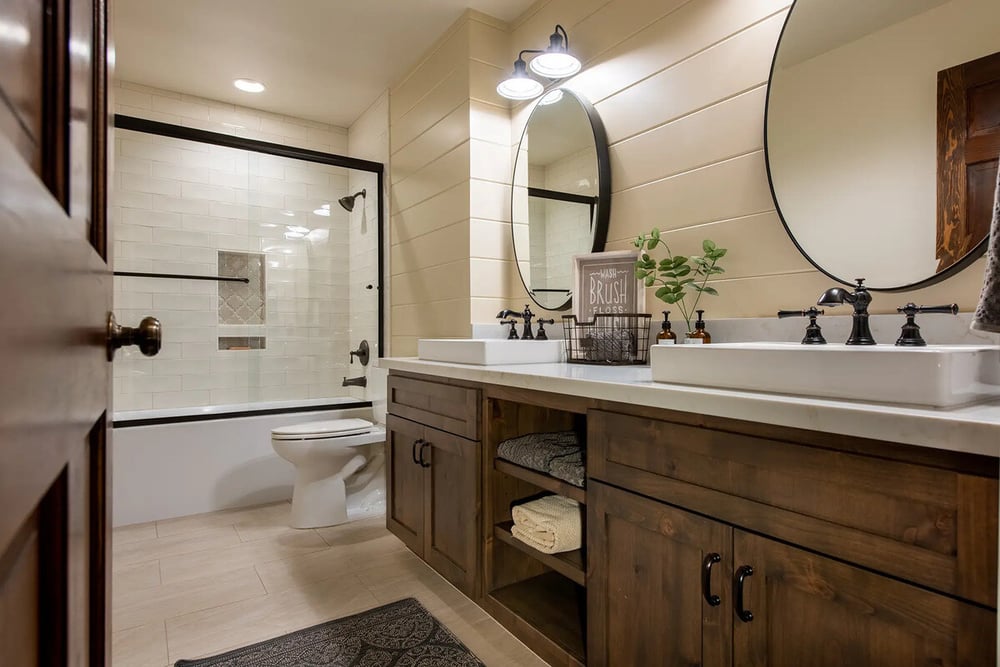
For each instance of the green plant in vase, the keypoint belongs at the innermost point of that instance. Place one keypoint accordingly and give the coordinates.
(678, 276)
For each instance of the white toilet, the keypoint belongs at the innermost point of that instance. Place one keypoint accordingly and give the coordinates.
(335, 461)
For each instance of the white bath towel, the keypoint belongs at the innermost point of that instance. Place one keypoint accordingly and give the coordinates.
(552, 524)
(987, 317)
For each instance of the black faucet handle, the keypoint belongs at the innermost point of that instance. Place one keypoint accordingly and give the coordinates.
(806, 312)
(513, 329)
(814, 333)
(909, 335)
(541, 335)
(912, 309)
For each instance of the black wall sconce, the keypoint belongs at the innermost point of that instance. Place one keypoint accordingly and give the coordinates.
(555, 62)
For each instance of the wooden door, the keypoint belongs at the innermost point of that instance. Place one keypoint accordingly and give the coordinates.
(452, 520)
(405, 483)
(55, 294)
(647, 602)
(968, 150)
(811, 610)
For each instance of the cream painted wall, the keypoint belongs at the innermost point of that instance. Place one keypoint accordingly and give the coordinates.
(680, 86)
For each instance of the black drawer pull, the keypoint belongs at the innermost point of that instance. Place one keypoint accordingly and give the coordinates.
(706, 579)
(743, 614)
(413, 451)
(423, 463)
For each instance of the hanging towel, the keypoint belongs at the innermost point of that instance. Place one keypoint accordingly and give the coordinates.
(537, 450)
(987, 317)
(552, 524)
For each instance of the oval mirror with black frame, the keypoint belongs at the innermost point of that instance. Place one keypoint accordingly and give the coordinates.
(560, 195)
(882, 133)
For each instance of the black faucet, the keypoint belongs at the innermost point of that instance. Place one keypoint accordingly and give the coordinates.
(527, 316)
(861, 333)
(355, 382)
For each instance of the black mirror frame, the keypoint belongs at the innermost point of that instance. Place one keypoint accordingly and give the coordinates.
(602, 213)
(952, 270)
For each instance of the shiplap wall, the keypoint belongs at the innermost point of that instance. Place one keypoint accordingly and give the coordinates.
(680, 86)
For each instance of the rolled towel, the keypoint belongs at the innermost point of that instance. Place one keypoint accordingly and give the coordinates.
(987, 317)
(552, 524)
(569, 468)
(537, 450)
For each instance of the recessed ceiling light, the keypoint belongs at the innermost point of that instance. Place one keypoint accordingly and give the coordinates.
(249, 85)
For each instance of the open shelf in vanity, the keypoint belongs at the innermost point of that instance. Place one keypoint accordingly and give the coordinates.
(539, 597)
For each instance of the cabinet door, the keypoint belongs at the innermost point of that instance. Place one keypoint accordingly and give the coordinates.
(811, 610)
(452, 520)
(405, 483)
(646, 602)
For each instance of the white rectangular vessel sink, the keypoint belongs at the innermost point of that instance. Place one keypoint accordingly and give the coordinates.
(490, 351)
(937, 375)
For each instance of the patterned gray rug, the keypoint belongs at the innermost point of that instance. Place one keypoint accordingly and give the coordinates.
(399, 634)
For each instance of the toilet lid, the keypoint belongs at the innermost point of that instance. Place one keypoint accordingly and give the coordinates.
(324, 429)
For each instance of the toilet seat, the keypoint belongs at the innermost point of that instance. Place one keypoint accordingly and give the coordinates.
(333, 428)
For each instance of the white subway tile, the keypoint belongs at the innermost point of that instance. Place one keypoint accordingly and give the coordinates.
(211, 192)
(149, 251)
(181, 399)
(199, 350)
(180, 173)
(219, 209)
(182, 302)
(199, 223)
(132, 199)
(170, 236)
(185, 108)
(150, 151)
(132, 165)
(150, 218)
(179, 205)
(123, 402)
(140, 183)
(133, 98)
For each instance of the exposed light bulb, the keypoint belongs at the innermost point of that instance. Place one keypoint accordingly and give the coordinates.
(555, 65)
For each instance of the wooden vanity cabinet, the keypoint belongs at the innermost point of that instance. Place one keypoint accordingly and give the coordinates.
(899, 571)
(433, 477)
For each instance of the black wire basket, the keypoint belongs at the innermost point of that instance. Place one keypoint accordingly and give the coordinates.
(609, 339)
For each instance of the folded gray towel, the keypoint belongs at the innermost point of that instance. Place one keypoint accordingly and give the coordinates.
(987, 317)
(569, 468)
(537, 450)
(610, 345)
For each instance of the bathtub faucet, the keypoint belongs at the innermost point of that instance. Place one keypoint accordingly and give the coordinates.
(355, 382)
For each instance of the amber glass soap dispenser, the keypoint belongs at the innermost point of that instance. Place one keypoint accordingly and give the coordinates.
(699, 335)
(666, 336)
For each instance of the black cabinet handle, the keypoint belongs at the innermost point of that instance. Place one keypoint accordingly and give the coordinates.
(423, 463)
(706, 579)
(744, 615)
(413, 452)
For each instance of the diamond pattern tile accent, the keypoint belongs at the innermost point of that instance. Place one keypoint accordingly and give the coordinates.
(241, 303)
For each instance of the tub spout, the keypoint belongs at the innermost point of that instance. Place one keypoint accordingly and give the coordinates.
(355, 382)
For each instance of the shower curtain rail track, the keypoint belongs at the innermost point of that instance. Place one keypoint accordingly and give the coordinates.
(181, 276)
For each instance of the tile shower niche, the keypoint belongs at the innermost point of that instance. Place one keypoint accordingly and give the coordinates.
(242, 306)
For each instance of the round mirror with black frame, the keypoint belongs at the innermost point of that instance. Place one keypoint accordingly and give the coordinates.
(560, 195)
(882, 134)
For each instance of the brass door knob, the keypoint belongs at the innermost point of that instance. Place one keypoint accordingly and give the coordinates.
(147, 336)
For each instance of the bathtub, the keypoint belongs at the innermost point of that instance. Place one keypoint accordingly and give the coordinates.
(170, 463)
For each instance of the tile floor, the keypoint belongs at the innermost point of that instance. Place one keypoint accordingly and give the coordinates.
(200, 585)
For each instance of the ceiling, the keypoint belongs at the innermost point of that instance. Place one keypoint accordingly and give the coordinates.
(326, 60)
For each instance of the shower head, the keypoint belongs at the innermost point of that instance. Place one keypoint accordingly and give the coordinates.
(348, 202)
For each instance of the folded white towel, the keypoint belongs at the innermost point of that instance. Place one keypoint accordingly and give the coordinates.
(551, 524)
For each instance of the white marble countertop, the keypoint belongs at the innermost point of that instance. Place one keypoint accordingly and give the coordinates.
(971, 428)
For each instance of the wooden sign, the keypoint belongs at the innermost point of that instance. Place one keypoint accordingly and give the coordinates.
(606, 283)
